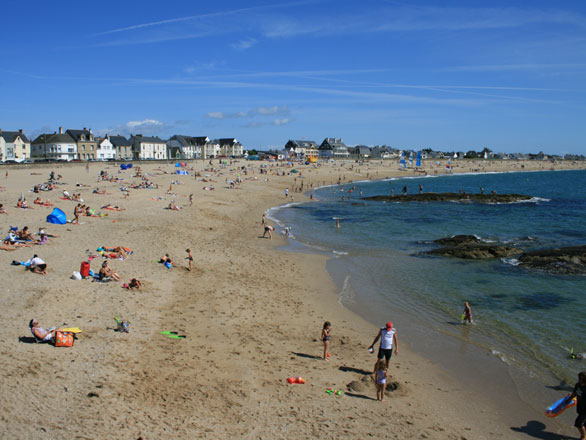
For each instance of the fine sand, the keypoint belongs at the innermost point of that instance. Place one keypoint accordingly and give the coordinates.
(251, 313)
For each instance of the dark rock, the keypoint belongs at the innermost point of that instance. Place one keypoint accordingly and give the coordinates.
(457, 240)
(452, 197)
(568, 260)
(476, 252)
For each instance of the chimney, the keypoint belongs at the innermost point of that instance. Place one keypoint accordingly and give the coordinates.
(60, 130)
(84, 129)
(21, 131)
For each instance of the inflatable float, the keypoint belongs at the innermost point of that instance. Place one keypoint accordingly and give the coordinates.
(560, 406)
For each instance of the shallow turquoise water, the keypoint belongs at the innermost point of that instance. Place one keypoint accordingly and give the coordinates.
(528, 319)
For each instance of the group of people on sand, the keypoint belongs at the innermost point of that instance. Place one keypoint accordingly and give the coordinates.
(388, 344)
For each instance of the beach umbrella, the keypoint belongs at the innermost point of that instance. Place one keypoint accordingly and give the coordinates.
(294, 170)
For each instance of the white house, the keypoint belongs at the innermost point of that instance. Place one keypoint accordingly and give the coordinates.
(14, 145)
(106, 149)
(230, 147)
(60, 146)
(212, 149)
(146, 147)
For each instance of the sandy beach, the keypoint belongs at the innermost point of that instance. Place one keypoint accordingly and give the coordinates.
(251, 312)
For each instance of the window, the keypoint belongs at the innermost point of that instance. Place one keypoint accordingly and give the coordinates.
(83, 148)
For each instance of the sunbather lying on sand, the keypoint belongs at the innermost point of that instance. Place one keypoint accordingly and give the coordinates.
(39, 201)
(112, 208)
(173, 207)
(2, 210)
(40, 333)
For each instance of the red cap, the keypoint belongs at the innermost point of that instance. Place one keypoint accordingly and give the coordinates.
(389, 325)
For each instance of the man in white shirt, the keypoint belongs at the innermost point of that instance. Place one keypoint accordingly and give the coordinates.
(38, 265)
(388, 337)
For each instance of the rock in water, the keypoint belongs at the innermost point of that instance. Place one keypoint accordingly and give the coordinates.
(567, 260)
(452, 197)
(477, 252)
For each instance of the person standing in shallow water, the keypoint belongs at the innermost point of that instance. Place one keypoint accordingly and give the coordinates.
(467, 315)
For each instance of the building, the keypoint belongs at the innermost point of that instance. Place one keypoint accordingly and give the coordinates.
(122, 148)
(57, 146)
(360, 151)
(148, 147)
(230, 147)
(106, 150)
(332, 148)
(87, 145)
(14, 145)
(187, 147)
(305, 149)
(212, 149)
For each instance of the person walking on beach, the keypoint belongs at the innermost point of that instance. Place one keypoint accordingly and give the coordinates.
(326, 337)
(190, 258)
(388, 337)
(264, 219)
(381, 375)
(467, 315)
(580, 393)
(286, 192)
(190, 199)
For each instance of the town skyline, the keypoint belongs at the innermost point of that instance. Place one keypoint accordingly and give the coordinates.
(466, 75)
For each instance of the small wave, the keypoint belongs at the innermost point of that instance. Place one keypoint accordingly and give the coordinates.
(511, 261)
(339, 253)
(500, 355)
(346, 294)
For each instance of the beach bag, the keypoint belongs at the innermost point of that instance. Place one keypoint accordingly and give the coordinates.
(85, 269)
(63, 339)
(76, 276)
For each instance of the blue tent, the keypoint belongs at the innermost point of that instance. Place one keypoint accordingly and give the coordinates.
(129, 165)
(57, 217)
(123, 166)
(177, 164)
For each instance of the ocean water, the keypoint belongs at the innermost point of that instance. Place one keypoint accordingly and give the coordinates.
(529, 320)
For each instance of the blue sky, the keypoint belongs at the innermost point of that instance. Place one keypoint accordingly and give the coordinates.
(452, 75)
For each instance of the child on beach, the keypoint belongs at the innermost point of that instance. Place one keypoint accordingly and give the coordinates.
(467, 315)
(580, 393)
(190, 258)
(325, 337)
(381, 374)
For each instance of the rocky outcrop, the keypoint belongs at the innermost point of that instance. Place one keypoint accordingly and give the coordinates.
(568, 260)
(477, 252)
(452, 197)
(457, 240)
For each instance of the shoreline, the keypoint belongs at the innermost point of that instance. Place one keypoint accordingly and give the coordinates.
(251, 313)
(470, 369)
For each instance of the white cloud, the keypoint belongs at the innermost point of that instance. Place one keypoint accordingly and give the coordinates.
(146, 127)
(215, 115)
(245, 44)
(258, 111)
(283, 121)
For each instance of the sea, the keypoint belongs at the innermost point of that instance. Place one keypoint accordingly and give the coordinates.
(525, 320)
